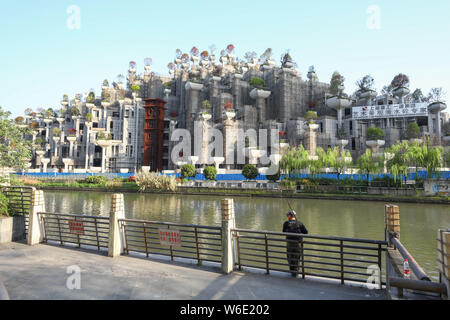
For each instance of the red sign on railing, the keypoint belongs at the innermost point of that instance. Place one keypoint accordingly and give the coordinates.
(170, 237)
(76, 227)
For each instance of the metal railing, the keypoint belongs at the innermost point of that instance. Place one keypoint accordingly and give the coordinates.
(344, 259)
(19, 200)
(201, 243)
(80, 230)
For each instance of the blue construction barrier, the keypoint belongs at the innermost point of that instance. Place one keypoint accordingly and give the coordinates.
(233, 177)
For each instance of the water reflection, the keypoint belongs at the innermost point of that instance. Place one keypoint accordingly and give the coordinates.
(355, 219)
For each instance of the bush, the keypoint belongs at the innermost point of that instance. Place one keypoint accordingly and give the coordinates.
(113, 184)
(210, 173)
(154, 180)
(95, 180)
(4, 205)
(250, 172)
(374, 133)
(188, 171)
(257, 82)
(274, 177)
(288, 184)
(413, 131)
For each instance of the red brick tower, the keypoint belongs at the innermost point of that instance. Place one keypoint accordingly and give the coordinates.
(153, 134)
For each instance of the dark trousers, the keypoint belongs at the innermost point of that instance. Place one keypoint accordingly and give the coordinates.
(293, 256)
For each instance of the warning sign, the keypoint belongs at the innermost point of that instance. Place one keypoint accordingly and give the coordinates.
(76, 227)
(170, 237)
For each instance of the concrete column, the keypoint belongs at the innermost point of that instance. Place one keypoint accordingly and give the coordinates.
(228, 223)
(392, 222)
(45, 162)
(193, 107)
(115, 246)
(444, 258)
(35, 227)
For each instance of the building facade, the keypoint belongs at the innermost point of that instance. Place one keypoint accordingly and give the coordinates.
(130, 126)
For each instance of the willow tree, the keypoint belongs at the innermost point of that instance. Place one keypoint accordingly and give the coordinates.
(399, 163)
(14, 149)
(368, 164)
(294, 160)
(338, 160)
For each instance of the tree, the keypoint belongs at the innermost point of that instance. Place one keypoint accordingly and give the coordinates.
(14, 149)
(374, 133)
(399, 163)
(257, 82)
(337, 84)
(294, 160)
(413, 131)
(432, 158)
(310, 116)
(366, 83)
(387, 90)
(418, 96)
(338, 160)
(188, 171)
(436, 95)
(250, 172)
(400, 80)
(368, 164)
(210, 173)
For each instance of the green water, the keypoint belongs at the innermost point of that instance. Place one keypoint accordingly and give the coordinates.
(358, 219)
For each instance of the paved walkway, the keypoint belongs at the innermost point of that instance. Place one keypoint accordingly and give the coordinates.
(40, 272)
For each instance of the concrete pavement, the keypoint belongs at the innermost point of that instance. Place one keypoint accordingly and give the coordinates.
(40, 272)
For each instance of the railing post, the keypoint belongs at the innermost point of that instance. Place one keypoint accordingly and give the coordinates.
(35, 226)
(341, 245)
(227, 243)
(115, 245)
(392, 222)
(444, 259)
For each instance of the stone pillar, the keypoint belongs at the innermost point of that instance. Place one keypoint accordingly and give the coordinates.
(260, 96)
(45, 162)
(311, 139)
(35, 227)
(66, 162)
(444, 258)
(115, 245)
(392, 222)
(228, 223)
(193, 107)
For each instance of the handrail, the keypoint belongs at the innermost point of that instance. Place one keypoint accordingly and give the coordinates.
(415, 267)
(170, 224)
(420, 285)
(73, 215)
(382, 242)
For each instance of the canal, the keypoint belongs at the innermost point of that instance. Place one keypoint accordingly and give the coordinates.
(354, 219)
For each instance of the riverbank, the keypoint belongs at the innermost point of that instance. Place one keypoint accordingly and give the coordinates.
(258, 193)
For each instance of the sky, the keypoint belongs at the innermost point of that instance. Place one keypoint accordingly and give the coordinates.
(51, 48)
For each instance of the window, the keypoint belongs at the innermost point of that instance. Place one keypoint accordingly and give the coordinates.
(111, 125)
(129, 135)
(131, 151)
(116, 114)
(127, 113)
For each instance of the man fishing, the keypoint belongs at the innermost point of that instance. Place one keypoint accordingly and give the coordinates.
(293, 242)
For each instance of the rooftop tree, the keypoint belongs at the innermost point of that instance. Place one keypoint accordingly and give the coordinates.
(374, 133)
(337, 84)
(400, 81)
(436, 95)
(366, 83)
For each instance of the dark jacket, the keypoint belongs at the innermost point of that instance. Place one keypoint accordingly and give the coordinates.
(294, 226)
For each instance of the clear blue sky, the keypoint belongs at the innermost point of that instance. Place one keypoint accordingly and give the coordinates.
(41, 58)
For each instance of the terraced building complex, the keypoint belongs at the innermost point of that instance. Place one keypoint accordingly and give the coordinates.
(130, 125)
